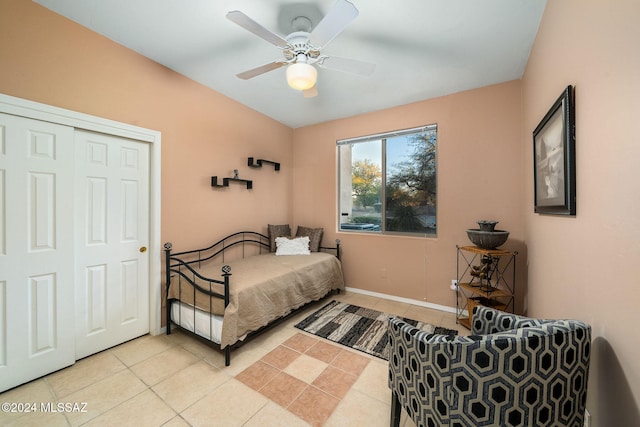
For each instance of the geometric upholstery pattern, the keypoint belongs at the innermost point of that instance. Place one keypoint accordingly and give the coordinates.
(511, 371)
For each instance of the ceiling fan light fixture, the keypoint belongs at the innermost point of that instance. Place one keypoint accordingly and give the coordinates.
(301, 76)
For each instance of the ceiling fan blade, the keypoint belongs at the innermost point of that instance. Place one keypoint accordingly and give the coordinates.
(340, 15)
(250, 25)
(311, 92)
(246, 75)
(346, 65)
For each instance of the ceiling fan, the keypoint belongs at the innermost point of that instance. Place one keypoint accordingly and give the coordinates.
(302, 48)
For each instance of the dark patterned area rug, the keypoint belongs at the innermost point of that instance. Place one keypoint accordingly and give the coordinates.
(360, 328)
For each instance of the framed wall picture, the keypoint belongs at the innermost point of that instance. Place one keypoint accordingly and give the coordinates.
(554, 162)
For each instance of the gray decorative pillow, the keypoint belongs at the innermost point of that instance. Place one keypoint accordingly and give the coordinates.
(277, 231)
(314, 234)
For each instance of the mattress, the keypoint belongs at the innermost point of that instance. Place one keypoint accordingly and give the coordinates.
(197, 321)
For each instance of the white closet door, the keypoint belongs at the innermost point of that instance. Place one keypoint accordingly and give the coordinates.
(36, 249)
(112, 220)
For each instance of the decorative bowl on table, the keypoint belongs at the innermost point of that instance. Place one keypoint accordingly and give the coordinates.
(486, 237)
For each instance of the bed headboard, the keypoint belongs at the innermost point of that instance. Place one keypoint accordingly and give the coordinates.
(248, 242)
(245, 241)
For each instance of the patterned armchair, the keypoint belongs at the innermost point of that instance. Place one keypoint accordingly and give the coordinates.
(512, 371)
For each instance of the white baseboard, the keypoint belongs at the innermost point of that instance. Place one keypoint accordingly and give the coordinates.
(401, 299)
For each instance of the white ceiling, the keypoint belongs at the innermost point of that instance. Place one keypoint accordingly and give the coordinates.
(423, 48)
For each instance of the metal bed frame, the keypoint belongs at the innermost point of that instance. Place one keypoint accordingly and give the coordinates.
(182, 264)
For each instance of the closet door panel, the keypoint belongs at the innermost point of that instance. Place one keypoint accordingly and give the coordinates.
(112, 216)
(36, 249)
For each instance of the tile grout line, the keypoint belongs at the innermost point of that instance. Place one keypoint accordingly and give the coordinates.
(311, 385)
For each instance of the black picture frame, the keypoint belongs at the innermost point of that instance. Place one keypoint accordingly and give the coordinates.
(554, 159)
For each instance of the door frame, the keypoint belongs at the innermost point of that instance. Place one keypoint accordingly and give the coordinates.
(38, 111)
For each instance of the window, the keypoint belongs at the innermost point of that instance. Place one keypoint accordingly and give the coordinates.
(387, 182)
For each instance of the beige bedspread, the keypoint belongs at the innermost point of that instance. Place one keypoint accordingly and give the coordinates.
(263, 288)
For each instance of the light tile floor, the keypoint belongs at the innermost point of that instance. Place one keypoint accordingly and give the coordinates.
(283, 377)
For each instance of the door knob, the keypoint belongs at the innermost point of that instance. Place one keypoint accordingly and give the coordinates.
(143, 249)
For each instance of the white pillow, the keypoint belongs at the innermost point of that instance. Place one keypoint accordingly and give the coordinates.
(297, 246)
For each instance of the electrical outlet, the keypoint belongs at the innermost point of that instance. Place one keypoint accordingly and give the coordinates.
(587, 418)
(454, 285)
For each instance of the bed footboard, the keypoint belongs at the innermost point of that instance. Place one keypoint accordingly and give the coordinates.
(177, 266)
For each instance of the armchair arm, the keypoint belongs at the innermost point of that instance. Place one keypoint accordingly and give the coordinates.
(419, 373)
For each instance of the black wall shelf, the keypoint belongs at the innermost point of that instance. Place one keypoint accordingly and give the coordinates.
(226, 181)
(259, 162)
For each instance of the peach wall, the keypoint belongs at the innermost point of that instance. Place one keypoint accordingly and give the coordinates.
(586, 266)
(50, 59)
(478, 178)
